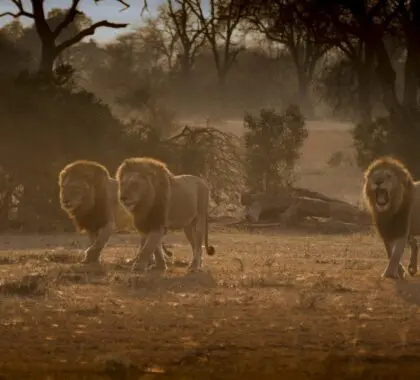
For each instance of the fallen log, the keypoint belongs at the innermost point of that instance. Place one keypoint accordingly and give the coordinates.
(291, 207)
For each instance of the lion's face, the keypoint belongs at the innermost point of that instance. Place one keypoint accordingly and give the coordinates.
(135, 190)
(384, 189)
(76, 194)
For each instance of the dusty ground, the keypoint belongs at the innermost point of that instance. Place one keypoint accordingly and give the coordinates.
(270, 305)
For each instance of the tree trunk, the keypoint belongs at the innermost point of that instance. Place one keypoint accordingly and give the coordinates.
(304, 97)
(46, 64)
(387, 76)
(222, 90)
(186, 63)
(411, 77)
(364, 70)
(365, 105)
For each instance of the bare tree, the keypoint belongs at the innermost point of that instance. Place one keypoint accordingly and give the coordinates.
(189, 30)
(219, 29)
(50, 48)
(160, 33)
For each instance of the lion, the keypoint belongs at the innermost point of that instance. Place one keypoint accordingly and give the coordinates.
(158, 200)
(392, 198)
(89, 195)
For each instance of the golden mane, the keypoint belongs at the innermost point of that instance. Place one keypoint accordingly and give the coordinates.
(97, 177)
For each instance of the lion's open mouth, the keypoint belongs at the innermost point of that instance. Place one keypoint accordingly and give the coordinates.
(382, 198)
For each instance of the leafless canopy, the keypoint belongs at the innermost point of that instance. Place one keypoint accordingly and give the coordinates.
(38, 16)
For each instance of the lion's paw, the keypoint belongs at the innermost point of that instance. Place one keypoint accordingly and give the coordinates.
(194, 268)
(390, 274)
(412, 269)
(88, 259)
(139, 267)
(157, 268)
(402, 273)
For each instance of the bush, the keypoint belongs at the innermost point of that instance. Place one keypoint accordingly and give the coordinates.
(204, 152)
(395, 135)
(43, 127)
(272, 143)
(340, 159)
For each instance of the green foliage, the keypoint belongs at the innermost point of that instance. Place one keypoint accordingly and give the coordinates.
(273, 142)
(396, 135)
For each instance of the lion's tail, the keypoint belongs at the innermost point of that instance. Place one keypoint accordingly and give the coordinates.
(209, 248)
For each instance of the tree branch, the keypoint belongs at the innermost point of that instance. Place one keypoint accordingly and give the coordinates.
(126, 5)
(21, 11)
(88, 32)
(68, 19)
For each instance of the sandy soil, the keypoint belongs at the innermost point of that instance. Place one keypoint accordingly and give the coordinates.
(270, 305)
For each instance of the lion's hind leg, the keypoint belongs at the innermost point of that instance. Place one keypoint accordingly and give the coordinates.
(414, 248)
(149, 244)
(191, 234)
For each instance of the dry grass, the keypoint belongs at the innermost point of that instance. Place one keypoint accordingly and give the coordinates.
(262, 304)
(302, 306)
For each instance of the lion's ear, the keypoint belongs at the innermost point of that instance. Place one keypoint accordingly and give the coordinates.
(405, 180)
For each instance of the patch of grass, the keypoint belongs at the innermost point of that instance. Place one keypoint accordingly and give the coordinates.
(26, 286)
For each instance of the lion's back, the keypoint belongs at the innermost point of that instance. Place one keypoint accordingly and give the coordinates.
(186, 193)
(415, 214)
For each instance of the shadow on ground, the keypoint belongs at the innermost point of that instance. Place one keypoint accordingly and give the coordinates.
(210, 364)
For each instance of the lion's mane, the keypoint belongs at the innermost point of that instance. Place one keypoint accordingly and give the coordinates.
(89, 216)
(149, 216)
(393, 223)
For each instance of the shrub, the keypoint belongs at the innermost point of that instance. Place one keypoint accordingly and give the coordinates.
(204, 152)
(43, 127)
(272, 147)
(395, 135)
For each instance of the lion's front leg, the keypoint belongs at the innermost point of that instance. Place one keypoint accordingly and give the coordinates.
(159, 262)
(401, 270)
(150, 243)
(98, 241)
(394, 268)
(414, 248)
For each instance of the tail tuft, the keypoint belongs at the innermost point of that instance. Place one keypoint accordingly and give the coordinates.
(210, 250)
